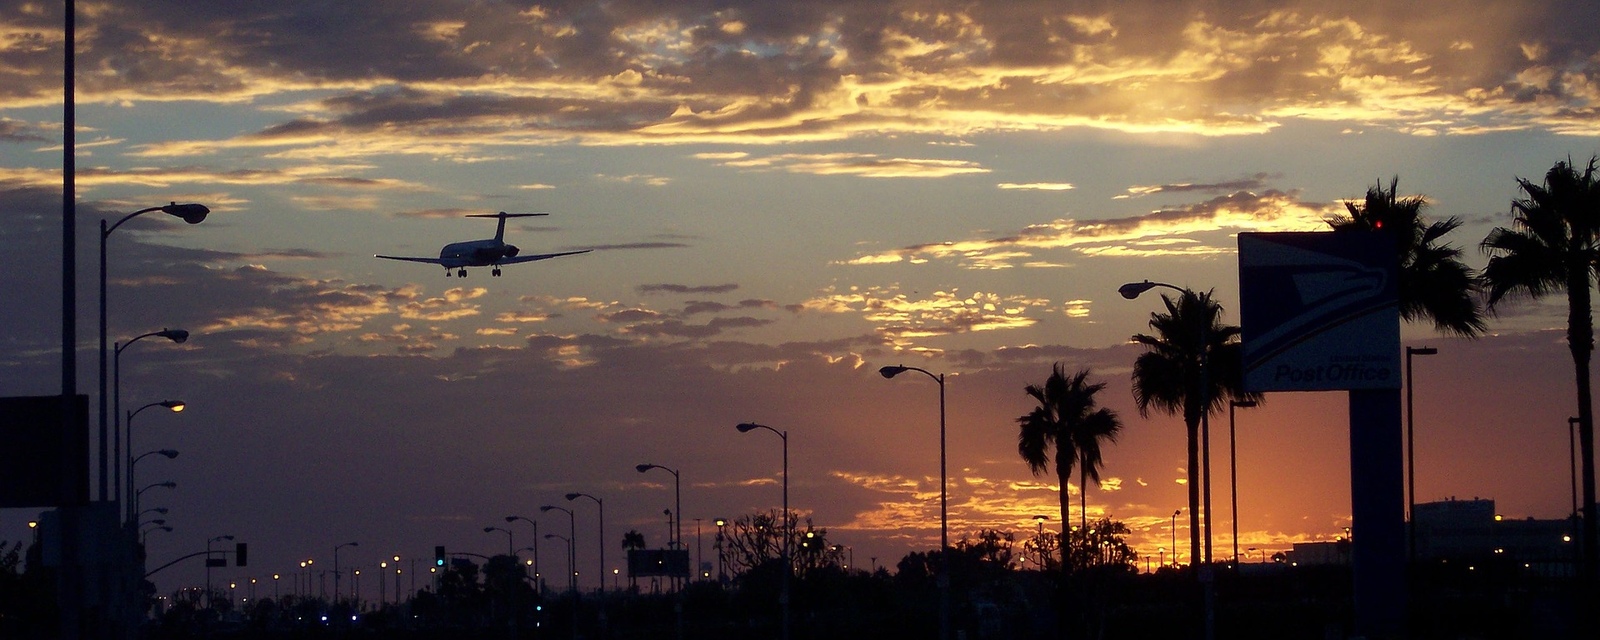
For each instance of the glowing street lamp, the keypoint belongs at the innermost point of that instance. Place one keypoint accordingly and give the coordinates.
(538, 585)
(175, 406)
(178, 336)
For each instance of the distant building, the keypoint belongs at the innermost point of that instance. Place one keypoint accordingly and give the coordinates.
(1472, 529)
(1468, 530)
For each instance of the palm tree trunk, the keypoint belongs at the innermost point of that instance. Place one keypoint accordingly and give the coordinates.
(1083, 495)
(1580, 339)
(1192, 422)
(1064, 474)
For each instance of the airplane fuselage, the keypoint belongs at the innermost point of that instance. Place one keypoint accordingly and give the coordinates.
(476, 253)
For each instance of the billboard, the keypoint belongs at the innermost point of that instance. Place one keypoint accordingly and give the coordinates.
(41, 463)
(645, 563)
(1320, 311)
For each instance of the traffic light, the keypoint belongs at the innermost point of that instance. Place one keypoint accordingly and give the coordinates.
(241, 554)
(438, 556)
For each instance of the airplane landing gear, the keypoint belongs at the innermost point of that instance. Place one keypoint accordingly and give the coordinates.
(496, 272)
(462, 273)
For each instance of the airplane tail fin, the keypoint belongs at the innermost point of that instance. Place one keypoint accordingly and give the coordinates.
(500, 231)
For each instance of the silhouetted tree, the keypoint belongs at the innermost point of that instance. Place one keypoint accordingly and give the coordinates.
(1178, 373)
(1554, 246)
(1067, 420)
(757, 539)
(1100, 544)
(1434, 283)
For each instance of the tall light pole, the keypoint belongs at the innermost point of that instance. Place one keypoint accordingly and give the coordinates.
(211, 601)
(336, 549)
(178, 336)
(602, 506)
(511, 544)
(1175, 513)
(1131, 291)
(944, 501)
(788, 528)
(722, 574)
(572, 581)
(175, 406)
(1233, 471)
(1572, 457)
(1038, 542)
(1411, 456)
(677, 500)
(192, 214)
(538, 585)
(133, 500)
(572, 531)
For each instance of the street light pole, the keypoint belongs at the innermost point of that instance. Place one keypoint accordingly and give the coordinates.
(178, 336)
(511, 544)
(788, 529)
(572, 530)
(176, 406)
(336, 549)
(1233, 464)
(1411, 453)
(133, 500)
(602, 507)
(538, 584)
(192, 214)
(677, 503)
(1131, 291)
(944, 501)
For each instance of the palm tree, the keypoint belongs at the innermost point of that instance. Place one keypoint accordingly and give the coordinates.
(1192, 366)
(1434, 283)
(1068, 420)
(1554, 246)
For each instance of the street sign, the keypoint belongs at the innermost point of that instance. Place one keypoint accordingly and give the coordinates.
(1319, 311)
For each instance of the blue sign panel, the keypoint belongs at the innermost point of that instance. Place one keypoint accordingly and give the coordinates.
(1319, 311)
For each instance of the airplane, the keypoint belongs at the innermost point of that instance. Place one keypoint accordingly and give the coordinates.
(484, 253)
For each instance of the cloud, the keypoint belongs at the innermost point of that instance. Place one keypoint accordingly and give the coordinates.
(865, 165)
(1037, 186)
(1256, 182)
(903, 318)
(1163, 232)
(682, 288)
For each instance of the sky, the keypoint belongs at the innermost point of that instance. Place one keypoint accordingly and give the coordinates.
(781, 198)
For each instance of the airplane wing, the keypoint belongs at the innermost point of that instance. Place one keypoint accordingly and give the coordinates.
(425, 260)
(541, 256)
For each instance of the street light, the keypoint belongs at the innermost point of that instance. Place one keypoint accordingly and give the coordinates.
(336, 549)
(572, 532)
(510, 544)
(602, 506)
(1411, 455)
(538, 585)
(1131, 291)
(677, 502)
(944, 500)
(788, 529)
(144, 536)
(722, 574)
(1175, 513)
(176, 335)
(192, 214)
(1038, 542)
(1233, 471)
(176, 406)
(211, 600)
(133, 502)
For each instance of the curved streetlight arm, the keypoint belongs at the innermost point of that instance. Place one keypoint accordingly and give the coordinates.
(190, 212)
